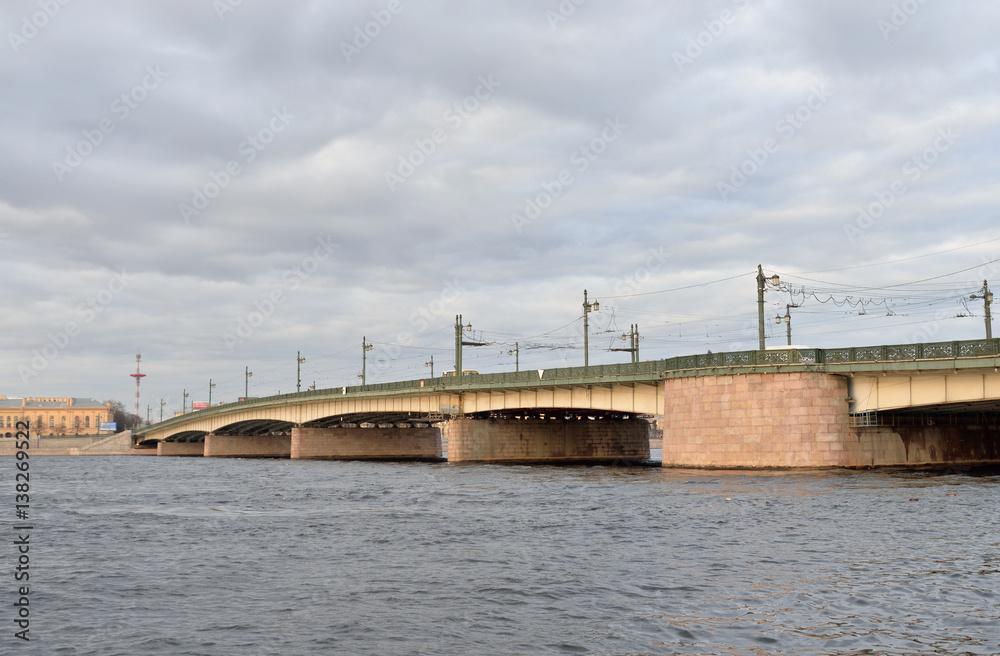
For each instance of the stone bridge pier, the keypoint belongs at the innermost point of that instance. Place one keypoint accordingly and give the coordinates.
(190, 449)
(556, 437)
(376, 443)
(802, 419)
(247, 446)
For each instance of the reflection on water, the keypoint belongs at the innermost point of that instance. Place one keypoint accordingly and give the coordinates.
(188, 556)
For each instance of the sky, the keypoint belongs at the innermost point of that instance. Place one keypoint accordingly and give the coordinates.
(227, 184)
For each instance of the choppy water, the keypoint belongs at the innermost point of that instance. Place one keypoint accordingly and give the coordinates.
(218, 557)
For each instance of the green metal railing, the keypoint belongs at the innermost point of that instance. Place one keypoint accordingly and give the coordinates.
(839, 359)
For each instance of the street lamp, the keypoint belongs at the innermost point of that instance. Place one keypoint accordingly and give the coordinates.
(431, 365)
(459, 341)
(210, 386)
(762, 283)
(587, 309)
(787, 319)
(987, 297)
(148, 410)
(516, 352)
(633, 348)
(298, 371)
(365, 347)
(162, 403)
(246, 383)
(184, 402)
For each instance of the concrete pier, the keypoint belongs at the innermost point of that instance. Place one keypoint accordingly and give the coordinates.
(547, 440)
(247, 446)
(409, 443)
(180, 449)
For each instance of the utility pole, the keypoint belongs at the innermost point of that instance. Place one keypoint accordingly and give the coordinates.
(762, 282)
(516, 352)
(587, 309)
(184, 400)
(787, 319)
(210, 386)
(431, 365)
(148, 410)
(987, 297)
(365, 347)
(161, 409)
(246, 383)
(633, 338)
(458, 344)
(298, 371)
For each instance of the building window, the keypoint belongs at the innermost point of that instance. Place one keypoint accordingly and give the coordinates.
(86, 421)
(76, 422)
(62, 421)
(52, 421)
(39, 424)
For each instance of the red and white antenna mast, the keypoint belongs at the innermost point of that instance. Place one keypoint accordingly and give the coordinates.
(138, 377)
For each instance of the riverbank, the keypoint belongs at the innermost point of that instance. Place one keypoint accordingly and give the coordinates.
(119, 444)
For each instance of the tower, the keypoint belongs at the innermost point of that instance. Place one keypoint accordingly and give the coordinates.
(138, 377)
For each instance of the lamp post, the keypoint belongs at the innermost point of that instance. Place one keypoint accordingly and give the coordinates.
(762, 283)
(210, 386)
(431, 365)
(787, 319)
(516, 352)
(184, 400)
(298, 371)
(987, 297)
(161, 409)
(246, 383)
(633, 338)
(587, 309)
(148, 410)
(365, 347)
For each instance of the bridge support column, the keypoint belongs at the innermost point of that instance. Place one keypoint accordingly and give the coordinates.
(180, 448)
(247, 446)
(366, 443)
(757, 421)
(547, 440)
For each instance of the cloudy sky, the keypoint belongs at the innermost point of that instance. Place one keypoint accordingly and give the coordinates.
(224, 184)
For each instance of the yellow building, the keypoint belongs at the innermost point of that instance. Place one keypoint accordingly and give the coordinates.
(53, 415)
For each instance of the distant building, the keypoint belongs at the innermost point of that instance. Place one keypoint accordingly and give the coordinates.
(53, 415)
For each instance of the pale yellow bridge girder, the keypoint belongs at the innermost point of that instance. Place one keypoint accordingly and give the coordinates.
(896, 391)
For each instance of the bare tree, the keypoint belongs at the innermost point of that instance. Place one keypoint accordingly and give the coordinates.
(125, 420)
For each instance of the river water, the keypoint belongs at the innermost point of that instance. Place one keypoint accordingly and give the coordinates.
(135, 556)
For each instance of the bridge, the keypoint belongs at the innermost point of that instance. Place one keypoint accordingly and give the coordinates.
(909, 404)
